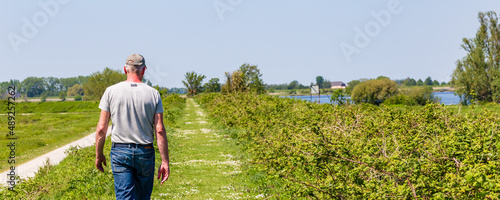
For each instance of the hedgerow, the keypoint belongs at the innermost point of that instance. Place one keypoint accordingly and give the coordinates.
(358, 152)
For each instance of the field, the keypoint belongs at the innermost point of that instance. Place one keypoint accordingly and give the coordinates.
(42, 127)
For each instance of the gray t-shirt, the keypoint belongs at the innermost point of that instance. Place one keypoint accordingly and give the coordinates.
(132, 107)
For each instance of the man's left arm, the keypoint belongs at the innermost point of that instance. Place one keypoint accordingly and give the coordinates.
(162, 142)
(100, 139)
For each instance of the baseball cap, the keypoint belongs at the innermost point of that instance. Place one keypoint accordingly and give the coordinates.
(136, 59)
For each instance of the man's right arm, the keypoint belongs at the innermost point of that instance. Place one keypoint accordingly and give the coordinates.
(100, 138)
(162, 141)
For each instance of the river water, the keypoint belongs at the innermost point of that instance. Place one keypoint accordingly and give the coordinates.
(447, 98)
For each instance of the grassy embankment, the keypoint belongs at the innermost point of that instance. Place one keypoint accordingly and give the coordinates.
(42, 127)
(321, 151)
(204, 164)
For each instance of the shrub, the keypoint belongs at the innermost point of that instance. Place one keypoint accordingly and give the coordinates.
(413, 96)
(374, 91)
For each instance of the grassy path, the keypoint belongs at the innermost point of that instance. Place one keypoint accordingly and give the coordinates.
(203, 161)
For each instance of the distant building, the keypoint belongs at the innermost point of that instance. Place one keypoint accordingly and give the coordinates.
(338, 85)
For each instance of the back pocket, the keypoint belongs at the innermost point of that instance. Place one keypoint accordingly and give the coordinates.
(118, 161)
(147, 164)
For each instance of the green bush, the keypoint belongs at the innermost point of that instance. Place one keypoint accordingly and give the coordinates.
(307, 150)
(78, 98)
(173, 107)
(374, 91)
(413, 96)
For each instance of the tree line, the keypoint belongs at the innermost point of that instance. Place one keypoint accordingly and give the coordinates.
(245, 79)
(89, 87)
(42, 86)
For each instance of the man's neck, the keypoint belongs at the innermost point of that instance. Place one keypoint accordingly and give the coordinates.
(133, 78)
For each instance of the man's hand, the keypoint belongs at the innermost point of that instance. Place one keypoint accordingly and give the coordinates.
(99, 160)
(164, 172)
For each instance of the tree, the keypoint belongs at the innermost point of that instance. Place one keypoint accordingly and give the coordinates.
(234, 83)
(62, 96)
(428, 81)
(33, 86)
(213, 85)
(339, 97)
(351, 85)
(411, 82)
(245, 79)
(252, 78)
(319, 80)
(68, 82)
(4, 87)
(99, 81)
(74, 90)
(193, 83)
(477, 75)
(383, 77)
(293, 85)
(420, 82)
(435, 83)
(326, 84)
(52, 86)
(43, 97)
(374, 91)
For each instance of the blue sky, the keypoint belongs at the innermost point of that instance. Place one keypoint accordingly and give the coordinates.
(288, 40)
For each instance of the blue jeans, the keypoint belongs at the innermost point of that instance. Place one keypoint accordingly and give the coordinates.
(133, 171)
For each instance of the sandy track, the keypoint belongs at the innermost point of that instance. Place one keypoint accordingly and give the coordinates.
(29, 168)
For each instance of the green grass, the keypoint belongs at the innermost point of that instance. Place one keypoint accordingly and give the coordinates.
(52, 107)
(475, 108)
(75, 177)
(40, 133)
(44, 126)
(205, 162)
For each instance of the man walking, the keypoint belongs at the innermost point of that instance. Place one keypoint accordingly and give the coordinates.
(136, 111)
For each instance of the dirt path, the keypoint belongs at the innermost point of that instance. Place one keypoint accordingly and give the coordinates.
(28, 169)
(204, 161)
